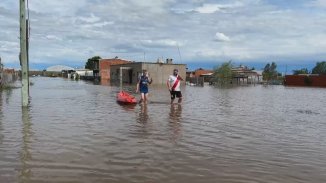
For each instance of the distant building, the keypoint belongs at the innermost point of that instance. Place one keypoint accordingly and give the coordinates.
(199, 72)
(159, 72)
(84, 72)
(59, 68)
(245, 75)
(199, 76)
(242, 75)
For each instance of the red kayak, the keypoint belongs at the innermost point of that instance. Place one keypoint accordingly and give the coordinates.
(125, 98)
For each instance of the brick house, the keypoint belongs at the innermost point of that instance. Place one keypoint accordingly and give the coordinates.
(105, 65)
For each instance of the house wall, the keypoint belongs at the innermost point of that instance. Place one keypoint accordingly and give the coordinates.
(305, 80)
(128, 76)
(105, 65)
(159, 72)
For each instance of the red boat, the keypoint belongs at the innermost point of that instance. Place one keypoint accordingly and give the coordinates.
(126, 98)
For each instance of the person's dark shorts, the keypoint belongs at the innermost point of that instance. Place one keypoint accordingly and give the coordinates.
(144, 90)
(175, 94)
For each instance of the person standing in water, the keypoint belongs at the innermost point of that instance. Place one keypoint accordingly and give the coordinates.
(142, 86)
(173, 85)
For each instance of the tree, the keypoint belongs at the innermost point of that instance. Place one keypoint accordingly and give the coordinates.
(90, 64)
(320, 68)
(223, 74)
(301, 71)
(270, 72)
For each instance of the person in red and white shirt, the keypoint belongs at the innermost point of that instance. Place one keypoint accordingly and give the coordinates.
(173, 85)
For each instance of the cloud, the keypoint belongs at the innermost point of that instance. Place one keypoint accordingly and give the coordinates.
(220, 37)
(8, 46)
(204, 7)
(76, 30)
(57, 8)
(53, 37)
(318, 3)
(98, 24)
(208, 8)
(91, 19)
(160, 43)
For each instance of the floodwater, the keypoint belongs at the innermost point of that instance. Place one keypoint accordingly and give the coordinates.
(74, 131)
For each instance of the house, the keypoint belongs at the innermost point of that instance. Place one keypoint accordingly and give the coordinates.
(202, 72)
(242, 73)
(199, 76)
(158, 71)
(105, 65)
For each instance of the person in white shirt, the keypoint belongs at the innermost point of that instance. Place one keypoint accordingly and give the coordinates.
(173, 85)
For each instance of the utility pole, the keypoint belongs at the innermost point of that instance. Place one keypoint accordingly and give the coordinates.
(0, 65)
(23, 54)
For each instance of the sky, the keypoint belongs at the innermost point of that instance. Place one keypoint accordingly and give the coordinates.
(199, 33)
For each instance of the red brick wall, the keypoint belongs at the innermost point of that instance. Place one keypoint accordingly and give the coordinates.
(105, 65)
(305, 80)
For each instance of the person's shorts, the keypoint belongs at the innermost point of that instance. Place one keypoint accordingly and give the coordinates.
(175, 94)
(144, 90)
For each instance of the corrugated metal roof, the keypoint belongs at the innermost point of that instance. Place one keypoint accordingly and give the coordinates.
(59, 68)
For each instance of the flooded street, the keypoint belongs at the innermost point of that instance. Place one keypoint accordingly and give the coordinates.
(74, 131)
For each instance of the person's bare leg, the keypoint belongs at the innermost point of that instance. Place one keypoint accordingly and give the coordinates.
(142, 98)
(172, 101)
(180, 100)
(146, 98)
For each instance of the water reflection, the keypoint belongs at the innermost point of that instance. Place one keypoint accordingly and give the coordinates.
(26, 155)
(175, 121)
(175, 113)
(1, 118)
(143, 114)
(127, 107)
(105, 82)
(7, 94)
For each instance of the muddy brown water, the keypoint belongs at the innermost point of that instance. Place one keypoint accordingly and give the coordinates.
(74, 131)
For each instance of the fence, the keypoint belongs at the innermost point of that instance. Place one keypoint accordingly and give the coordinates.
(305, 80)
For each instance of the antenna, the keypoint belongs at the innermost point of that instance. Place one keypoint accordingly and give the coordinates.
(179, 53)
